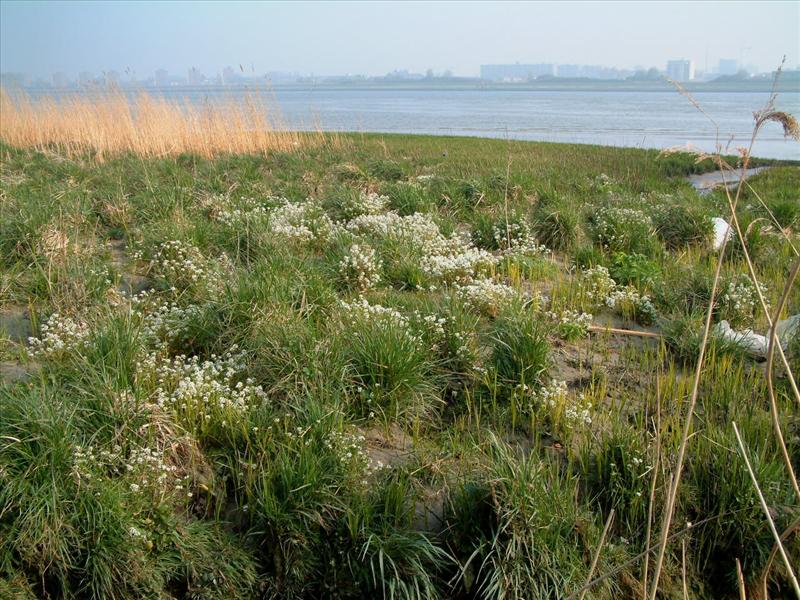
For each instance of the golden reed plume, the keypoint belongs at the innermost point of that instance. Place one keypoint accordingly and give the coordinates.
(110, 122)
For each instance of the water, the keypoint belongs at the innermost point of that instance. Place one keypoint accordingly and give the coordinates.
(705, 182)
(616, 118)
(638, 119)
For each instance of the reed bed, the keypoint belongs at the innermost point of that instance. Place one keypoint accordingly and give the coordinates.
(109, 122)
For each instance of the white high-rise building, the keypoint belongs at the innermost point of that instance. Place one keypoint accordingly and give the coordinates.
(680, 70)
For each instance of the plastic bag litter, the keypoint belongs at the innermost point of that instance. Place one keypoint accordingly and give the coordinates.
(788, 329)
(722, 230)
(754, 343)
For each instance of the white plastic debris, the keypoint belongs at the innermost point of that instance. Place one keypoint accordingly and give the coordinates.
(788, 329)
(757, 344)
(747, 339)
(722, 231)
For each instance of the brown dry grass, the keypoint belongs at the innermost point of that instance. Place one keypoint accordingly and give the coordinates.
(109, 122)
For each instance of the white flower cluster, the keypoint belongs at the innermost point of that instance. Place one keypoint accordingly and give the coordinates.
(161, 320)
(362, 309)
(485, 295)
(433, 327)
(602, 290)
(202, 392)
(738, 303)
(88, 464)
(301, 221)
(60, 335)
(630, 303)
(517, 239)
(367, 203)
(597, 284)
(459, 266)
(450, 259)
(352, 453)
(151, 472)
(554, 397)
(551, 395)
(148, 469)
(249, 211)
(182, 264)
(571, 324)
(417, 229)
(390, 225)
(361, 267)
(603, 181)
(361, 312)
(579, 412)
(616, 227)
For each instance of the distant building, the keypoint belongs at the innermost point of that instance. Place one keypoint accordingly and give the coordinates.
(230, 76)
(85, 78)
(281, 76)
(728, 66)
(196, 77)
(571, 71)
(516, 72)
(680, 70)
(162, 78)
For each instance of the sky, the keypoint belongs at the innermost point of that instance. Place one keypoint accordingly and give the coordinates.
(373, 38)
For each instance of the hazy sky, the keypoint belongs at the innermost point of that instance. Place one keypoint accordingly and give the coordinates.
(373, 38)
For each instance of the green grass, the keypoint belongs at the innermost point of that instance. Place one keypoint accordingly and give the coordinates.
(277, 417)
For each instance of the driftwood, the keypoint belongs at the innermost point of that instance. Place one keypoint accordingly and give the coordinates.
(601, 329)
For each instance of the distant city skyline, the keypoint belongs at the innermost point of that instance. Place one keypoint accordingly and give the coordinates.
(324, 39)
(677, 69)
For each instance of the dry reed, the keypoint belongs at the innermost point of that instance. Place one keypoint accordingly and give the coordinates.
(109, 122)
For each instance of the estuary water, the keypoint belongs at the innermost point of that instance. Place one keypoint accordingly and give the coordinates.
(637, 119)
(643, 119)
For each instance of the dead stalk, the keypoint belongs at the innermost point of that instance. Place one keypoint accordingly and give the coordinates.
(653, 484)
(793, 528)
(597, 553)
(740, 581)
(773, 338)
(765, 508)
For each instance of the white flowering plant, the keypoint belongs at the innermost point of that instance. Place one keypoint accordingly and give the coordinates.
(60, 337)
(632, 304)
(207, 397)
(596, 284)
(361, 267)
(485, 296)
(602, 291)
(364, 203)
(451, 337)
(244, 213)
(621, 229)
(516, 239)
(738, 303)
(301, 222)
(570, 324)
(163, 322)
(150, 472)
(564, 409)
(182, 267)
